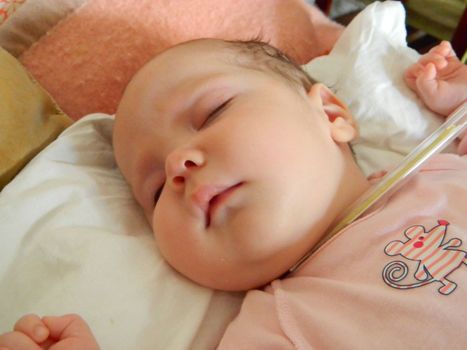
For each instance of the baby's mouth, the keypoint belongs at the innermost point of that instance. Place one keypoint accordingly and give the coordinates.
(210, 198)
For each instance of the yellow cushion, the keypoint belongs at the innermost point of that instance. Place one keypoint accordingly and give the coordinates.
(29, 119)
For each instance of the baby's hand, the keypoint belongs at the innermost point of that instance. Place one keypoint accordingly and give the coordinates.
(67, 332)
(439, 79)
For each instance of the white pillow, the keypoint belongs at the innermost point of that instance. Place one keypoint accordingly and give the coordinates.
(365, 69)
(74, 240)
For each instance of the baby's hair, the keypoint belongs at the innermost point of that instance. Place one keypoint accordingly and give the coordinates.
(259, 55)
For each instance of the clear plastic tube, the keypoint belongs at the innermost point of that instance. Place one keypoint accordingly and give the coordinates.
(392, 181)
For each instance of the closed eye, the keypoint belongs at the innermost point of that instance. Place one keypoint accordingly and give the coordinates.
(216, 112)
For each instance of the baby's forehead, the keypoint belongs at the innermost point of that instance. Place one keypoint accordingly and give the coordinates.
(198, 57)
(192, 50)
(161, 77)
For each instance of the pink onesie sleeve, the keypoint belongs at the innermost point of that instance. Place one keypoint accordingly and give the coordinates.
(256, 326)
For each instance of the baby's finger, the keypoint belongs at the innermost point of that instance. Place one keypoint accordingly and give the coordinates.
(66, 326)
(71, 333)
(438, 60)
(412, 73)
(409, 78)
(426, 82)
(32, 326)
(17, 341)
(444, 49)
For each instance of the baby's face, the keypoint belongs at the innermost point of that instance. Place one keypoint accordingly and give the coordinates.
(236, 170)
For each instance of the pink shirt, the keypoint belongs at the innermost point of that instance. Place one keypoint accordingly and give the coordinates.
(350, 293)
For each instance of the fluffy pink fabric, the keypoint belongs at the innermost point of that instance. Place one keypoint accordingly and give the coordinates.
(87, 59)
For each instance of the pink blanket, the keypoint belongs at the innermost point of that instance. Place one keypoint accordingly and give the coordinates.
(87, 59)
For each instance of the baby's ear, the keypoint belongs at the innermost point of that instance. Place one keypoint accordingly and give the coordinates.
(342, 124)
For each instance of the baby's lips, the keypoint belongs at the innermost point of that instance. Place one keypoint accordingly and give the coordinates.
(202, 195)
(210, 197)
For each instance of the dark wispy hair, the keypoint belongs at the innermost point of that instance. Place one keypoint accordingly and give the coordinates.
(260, 55)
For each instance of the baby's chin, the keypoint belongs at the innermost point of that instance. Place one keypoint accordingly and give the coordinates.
(233, 284)
(238, 281)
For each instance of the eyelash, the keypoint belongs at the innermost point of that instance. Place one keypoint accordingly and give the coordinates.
(216, 112)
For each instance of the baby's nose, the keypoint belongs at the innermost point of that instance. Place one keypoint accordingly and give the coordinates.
(180, 163)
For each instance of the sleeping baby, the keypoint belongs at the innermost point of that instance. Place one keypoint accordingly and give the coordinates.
(242, 163)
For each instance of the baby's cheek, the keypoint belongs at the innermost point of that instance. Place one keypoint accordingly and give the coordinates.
(156, 220)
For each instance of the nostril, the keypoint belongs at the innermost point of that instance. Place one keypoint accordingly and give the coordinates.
(178, 180)
(189, 164)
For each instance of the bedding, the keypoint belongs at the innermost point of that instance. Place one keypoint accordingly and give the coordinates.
(7, 7)
(29, 118)
(365, 69)
(74, 239)
(30, 21)
(98, 47)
